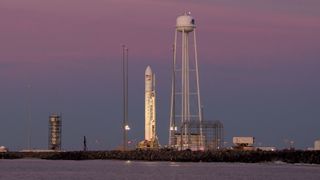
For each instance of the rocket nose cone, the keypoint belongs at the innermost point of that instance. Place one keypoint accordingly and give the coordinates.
(148, 71)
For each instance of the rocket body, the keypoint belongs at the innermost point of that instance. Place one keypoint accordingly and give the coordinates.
(150, 105)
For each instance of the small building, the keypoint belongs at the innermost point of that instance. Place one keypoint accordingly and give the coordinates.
(243, 143)
(317, 145)
(3, 149)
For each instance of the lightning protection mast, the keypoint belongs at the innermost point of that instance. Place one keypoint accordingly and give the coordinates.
(125, 125)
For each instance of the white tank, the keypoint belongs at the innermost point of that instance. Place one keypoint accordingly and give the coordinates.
(317, 145)
(185, 23)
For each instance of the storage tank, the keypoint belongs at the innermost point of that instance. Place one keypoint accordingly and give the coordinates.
(55, 125)
(185, 23)
(317, 145)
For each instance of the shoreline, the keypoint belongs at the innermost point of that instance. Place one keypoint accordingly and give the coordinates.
(286, 156)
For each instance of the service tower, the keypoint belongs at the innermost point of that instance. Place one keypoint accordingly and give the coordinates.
(55, 129)
(150, 136)
(185, 96)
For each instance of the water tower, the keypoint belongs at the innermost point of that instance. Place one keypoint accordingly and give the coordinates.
(185, 96)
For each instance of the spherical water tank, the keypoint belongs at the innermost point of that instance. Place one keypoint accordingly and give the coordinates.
(185, 23)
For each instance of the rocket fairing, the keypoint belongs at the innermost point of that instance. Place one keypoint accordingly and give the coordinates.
(150, 105)
(148, 79)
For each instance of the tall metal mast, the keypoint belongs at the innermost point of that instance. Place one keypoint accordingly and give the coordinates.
(29, 116)
(173, 127)
(125, 125)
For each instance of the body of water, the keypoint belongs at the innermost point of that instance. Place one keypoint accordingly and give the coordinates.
(34, 169)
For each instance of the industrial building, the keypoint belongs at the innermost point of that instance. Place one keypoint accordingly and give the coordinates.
(55, 130)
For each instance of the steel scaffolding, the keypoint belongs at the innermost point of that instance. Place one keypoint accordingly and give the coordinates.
(55, 129)
(212, 137)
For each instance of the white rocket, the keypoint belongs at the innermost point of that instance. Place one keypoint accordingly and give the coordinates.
(150, 105)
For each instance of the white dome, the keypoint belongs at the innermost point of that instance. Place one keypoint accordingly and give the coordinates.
(185, 23)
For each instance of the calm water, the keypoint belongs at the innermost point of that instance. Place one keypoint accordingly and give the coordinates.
(30, 169)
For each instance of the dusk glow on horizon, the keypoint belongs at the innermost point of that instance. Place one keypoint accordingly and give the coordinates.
(259, 68)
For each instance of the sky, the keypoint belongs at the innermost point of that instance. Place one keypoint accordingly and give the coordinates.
(259, 67)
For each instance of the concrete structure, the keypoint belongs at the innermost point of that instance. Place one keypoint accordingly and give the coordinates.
(38, 150)
(55, 129)
(266, 148)
(317, 145)
(150, 137)
(185, 95)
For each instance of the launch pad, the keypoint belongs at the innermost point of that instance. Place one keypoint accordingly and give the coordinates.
(152, 144)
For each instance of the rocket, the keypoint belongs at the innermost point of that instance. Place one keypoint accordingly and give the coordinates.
(150, 105)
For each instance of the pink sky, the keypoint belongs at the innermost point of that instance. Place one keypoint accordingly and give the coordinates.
(76, 28)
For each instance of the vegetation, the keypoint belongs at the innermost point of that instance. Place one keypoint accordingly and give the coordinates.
(178, 156)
